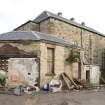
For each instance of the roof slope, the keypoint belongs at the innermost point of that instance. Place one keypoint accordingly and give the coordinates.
(46, 14)
(18, 35)
(31, 35)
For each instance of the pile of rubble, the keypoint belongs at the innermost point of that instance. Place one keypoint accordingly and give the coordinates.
(64, 82)
(60, 82)
(72, 83)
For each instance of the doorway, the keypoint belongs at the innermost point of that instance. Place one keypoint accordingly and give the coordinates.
(88, 76)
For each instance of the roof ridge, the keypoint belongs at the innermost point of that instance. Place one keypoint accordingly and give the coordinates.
(46, 14)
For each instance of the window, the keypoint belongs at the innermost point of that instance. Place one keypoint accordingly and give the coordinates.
(50, 61)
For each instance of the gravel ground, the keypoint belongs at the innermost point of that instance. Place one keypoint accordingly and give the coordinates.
(87, 97)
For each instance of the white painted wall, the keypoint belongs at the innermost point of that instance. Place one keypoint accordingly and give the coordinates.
(83, 72)
(18, 69)
(94, 73)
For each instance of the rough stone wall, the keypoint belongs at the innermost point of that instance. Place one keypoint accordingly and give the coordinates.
(100, 45)
(92, 43)
(59, 64)
(26, 46)
(67, 66)
(61, 29)
(95, 45)
(59, 61)
(43, 63)
(89, 44)
(47, 26)
(29, 26)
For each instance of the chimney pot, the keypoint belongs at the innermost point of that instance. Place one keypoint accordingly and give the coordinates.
(59, 14)
(72, 19)
(83, 23)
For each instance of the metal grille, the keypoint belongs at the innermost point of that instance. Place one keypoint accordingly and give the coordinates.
(4, 64)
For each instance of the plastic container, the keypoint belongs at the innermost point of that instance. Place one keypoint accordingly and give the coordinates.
(46, 87)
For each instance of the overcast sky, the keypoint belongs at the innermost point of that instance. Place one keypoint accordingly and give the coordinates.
(15, 12)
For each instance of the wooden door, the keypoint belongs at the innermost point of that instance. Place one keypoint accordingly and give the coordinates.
(50, 60)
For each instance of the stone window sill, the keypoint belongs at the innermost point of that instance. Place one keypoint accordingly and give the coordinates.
(50, 74)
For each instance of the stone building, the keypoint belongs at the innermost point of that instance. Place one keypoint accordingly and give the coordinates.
(49, 37)
(20, 50)
(90, 40)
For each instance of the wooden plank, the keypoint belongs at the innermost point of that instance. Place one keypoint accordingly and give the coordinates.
(66, 81)
(72, 81)
(103, 80)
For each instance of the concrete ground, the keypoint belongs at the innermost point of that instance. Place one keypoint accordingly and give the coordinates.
(87, 97)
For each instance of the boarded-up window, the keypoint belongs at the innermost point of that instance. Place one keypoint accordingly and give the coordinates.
(50, 61)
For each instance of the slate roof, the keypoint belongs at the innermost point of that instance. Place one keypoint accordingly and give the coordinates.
(24, 24)
(31, 35)
(46, 14)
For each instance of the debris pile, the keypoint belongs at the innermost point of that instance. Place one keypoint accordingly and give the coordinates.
(55, 85)
(64, 82)
(30, 89)
(21, 89)
(102, 79)
(59, 82)
(72, 83)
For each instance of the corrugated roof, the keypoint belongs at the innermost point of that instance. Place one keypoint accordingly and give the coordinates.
(31, 35)
(46, 14)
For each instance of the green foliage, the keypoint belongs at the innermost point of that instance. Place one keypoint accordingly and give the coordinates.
(2, 80)
(74, 56)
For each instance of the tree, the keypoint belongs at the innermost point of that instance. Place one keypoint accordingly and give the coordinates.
(2, 80)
